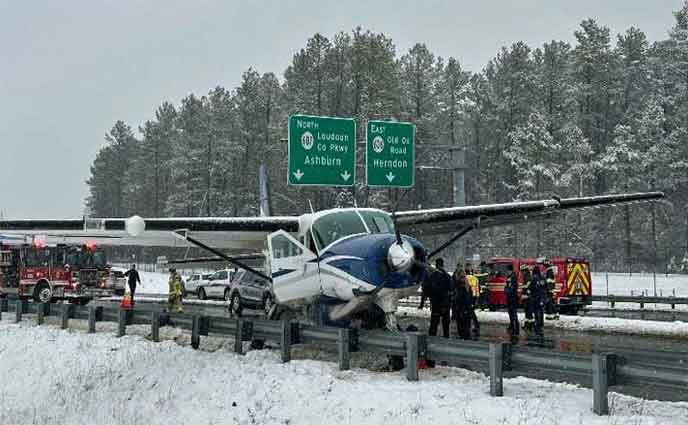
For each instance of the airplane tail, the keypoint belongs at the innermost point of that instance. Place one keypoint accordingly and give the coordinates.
(264, 182)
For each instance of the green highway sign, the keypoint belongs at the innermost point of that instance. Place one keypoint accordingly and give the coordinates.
(390, 154)
(322, 151)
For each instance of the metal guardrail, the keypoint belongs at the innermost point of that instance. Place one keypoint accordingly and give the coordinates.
(599, 370)
(642, 300)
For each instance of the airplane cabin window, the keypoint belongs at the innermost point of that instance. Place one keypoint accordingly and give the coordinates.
(332, 227)
(378, 222)
(282, 247)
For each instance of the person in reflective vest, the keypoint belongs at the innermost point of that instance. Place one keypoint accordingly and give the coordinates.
(551, 307)
(511, 293)
(176, 291)
(484, 296)
(526, 297)
(475, 292)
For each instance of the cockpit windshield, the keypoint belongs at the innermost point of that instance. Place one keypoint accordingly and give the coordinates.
(337, 225)
(378, 221)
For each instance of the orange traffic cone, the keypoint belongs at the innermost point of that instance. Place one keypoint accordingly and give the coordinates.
(126, 302)
(422, 364)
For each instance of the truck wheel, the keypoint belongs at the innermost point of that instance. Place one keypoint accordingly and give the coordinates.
(43, 293)
(201, 294)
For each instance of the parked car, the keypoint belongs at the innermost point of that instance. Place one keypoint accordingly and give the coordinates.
(250, 291)
(196, 281)
(116, 281)
(218, 285)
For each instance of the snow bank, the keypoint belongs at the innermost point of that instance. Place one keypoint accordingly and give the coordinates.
(100, 379)
(623, 284)
(581, 324)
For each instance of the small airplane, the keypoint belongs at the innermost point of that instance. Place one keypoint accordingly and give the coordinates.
(342, 267)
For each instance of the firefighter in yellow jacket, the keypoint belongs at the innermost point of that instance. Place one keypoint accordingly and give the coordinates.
(176, 291)
(550, 307)
(475, 292)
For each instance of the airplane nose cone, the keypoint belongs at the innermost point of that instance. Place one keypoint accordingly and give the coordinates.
(400, 257)
(135, 225)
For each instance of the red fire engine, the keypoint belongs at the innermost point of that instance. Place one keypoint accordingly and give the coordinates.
(46, 273)
(573, 285)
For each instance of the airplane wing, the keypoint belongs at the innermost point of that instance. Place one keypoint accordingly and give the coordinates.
(234, 233)
(448, 220)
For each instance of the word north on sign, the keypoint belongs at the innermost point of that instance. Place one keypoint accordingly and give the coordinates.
(322, 151)
(390, 154)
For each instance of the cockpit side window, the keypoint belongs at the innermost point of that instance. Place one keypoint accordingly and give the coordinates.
(378, 222)
(332, 227)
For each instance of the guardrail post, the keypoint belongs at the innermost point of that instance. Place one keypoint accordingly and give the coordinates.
(122, 322)
(285, 341)
(344, 347)
(67, 312)
(496, 369)
(195, 331)
(40, 314)
(600, 383)
(412, 350)
(4, 305)
(93, 315)
(239, 337)
(155, 326)
(18, 311)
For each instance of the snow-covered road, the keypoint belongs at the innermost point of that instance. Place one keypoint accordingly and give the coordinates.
(68, 377)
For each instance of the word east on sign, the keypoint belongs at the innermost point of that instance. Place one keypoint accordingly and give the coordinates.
(322, 151)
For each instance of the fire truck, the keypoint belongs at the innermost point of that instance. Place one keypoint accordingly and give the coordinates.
(47, 273)
(573, 285)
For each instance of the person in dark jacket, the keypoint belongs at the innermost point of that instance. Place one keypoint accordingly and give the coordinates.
(539, 299)
(526, 296)
(133, 279)
(511, 293)
(438, 288)
(462, 303)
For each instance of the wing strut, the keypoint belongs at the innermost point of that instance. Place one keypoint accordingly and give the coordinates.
(184, 234)
(454, 238)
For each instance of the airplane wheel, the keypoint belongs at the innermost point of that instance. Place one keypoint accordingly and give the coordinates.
(201, 294)
(267, 304)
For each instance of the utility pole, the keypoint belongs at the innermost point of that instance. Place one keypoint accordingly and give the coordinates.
(458, 166)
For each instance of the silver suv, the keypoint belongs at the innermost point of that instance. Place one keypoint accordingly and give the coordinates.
(248, 290)
(218, 286)
(196, 281)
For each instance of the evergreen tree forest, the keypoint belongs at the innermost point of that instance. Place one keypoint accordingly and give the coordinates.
(603, 115)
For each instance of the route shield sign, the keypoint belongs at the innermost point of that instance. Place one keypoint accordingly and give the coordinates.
(390, 154)
(322, 151)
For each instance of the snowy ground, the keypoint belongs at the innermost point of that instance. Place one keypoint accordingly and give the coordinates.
(100, 379)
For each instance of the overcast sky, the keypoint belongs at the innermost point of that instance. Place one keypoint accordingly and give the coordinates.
(70, 69)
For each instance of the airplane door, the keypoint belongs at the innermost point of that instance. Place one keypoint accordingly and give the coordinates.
(293, 268)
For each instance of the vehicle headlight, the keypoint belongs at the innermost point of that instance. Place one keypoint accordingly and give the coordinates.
(400, 257)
